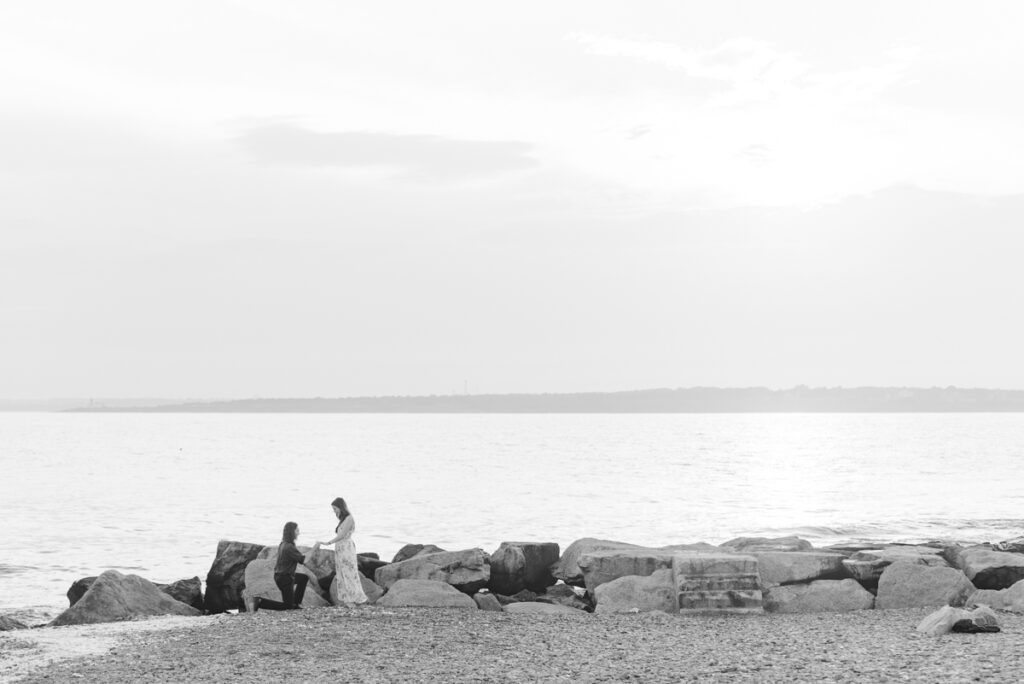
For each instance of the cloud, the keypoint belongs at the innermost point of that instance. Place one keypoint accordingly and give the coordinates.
(422, 157)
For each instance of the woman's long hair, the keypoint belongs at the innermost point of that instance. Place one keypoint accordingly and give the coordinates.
(288, 535)
(342, 507)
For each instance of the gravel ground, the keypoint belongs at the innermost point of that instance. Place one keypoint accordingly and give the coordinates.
(375, 644)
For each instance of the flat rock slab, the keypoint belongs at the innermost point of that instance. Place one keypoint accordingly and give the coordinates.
(820, 596)
(760, 544)
(988, 568)
(599, 567)
(113, 597)
(468, 571)
(635, 594)
(791, 567)
(868, 565)
(707, 582)
(425, 593)
(568, 569)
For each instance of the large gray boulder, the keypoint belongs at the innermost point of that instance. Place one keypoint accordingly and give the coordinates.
(792, 567)
(1011, 598)
(599, 567)
(760, 544)
(426, 593)
(868, 565)
(568, 569)
(988, 568)
(635, 594)
(188, 591)
(522, 565)
(8, 624)
(226, 578)
(908, 584)
(467, 570)
(412, 550)
(716, 582)
(259, 582)
(113, 597)
(819, 596)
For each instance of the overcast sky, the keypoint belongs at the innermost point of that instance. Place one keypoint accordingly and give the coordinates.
(219, 198)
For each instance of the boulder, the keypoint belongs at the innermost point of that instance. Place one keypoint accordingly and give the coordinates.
(709, 582)
(188, 591)
(522, 565)
(114, 597)
(8, 624)
(566, 595)
(606, 565)
(78, 588)
(908, 584)
(1015, 545)
(981, 619)
(226, 578)
(991, 569)
(411, 550)
(368, 564)
(370, 588)
(1011, 598)
(791, 567)
(427, 593)
(820, 596)
(568, 570)
(487, 601)
(635, 594)
(950, 618)
(534, 608)
(259, 581)
(759, 544)
(867, 565)
(467, 570)
(519, 597)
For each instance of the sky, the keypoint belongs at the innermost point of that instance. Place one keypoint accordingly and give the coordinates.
(232, 199)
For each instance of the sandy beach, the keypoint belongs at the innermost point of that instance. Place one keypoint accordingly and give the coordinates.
(374, 644)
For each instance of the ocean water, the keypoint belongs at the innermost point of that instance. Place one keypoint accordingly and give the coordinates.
(152, 494)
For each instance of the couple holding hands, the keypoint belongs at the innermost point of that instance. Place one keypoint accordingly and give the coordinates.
(293, 586)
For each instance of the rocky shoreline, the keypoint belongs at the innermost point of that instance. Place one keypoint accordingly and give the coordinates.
(746, 583)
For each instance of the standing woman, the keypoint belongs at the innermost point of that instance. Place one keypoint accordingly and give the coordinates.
(350, 587)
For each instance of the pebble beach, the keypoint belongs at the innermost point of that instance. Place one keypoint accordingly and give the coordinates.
(376, 644)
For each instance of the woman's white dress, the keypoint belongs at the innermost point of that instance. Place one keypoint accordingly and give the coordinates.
(350, 587)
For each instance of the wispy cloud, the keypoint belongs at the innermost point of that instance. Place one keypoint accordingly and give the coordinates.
(423, 157)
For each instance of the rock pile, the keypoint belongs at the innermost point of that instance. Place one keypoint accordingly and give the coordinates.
(744, 575)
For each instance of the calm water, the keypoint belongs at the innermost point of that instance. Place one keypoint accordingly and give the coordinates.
(152, 494)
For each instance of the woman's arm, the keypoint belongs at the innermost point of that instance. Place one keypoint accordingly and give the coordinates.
(344, 530)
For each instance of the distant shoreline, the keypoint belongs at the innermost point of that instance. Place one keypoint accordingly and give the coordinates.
(684, 400)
